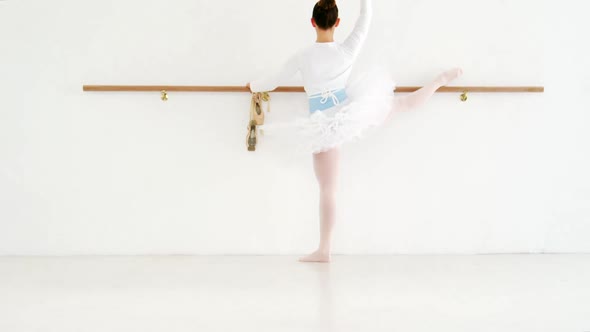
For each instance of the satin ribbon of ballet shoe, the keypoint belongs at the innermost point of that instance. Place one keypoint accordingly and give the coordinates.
(259, 98)
(263, 96)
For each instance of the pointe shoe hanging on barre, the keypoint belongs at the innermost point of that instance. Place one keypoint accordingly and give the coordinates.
(256, 111)
(256, 118)
(252, 137)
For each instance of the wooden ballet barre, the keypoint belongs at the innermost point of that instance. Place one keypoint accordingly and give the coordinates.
(401, 89)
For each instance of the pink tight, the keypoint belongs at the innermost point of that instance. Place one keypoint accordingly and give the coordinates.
(326, 168)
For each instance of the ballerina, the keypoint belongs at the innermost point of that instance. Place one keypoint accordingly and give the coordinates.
(339, 111)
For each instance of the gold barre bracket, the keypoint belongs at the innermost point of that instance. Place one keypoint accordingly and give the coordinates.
(464, 96)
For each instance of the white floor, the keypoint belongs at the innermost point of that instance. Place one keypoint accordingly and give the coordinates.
(277, 293)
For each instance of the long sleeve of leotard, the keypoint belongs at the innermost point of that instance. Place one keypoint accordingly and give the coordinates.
(352, 44)
(271, 82)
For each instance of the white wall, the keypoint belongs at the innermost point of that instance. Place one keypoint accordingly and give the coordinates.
(125, 173)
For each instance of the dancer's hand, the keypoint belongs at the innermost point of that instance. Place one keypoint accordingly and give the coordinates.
(248, 86)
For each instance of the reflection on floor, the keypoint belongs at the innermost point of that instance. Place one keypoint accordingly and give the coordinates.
(498, 293)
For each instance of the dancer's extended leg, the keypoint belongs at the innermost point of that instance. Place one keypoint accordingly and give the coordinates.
(421, 96)
(326, 170)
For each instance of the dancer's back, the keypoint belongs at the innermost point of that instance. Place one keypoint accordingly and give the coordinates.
(323, 65)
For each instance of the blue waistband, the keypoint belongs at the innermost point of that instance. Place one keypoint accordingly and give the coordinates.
(325, 100)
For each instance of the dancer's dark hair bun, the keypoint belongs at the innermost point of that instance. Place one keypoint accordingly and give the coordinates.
(327, 4)
(325, 13)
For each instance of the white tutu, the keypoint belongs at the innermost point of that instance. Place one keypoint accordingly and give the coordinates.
(369, 103)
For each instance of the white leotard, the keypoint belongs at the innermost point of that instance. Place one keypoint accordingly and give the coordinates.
(323, 66)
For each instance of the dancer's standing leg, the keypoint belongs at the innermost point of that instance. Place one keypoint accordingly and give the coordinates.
(326, 166)
(326, 171)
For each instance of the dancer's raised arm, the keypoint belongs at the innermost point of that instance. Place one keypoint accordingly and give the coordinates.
(352, 44)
